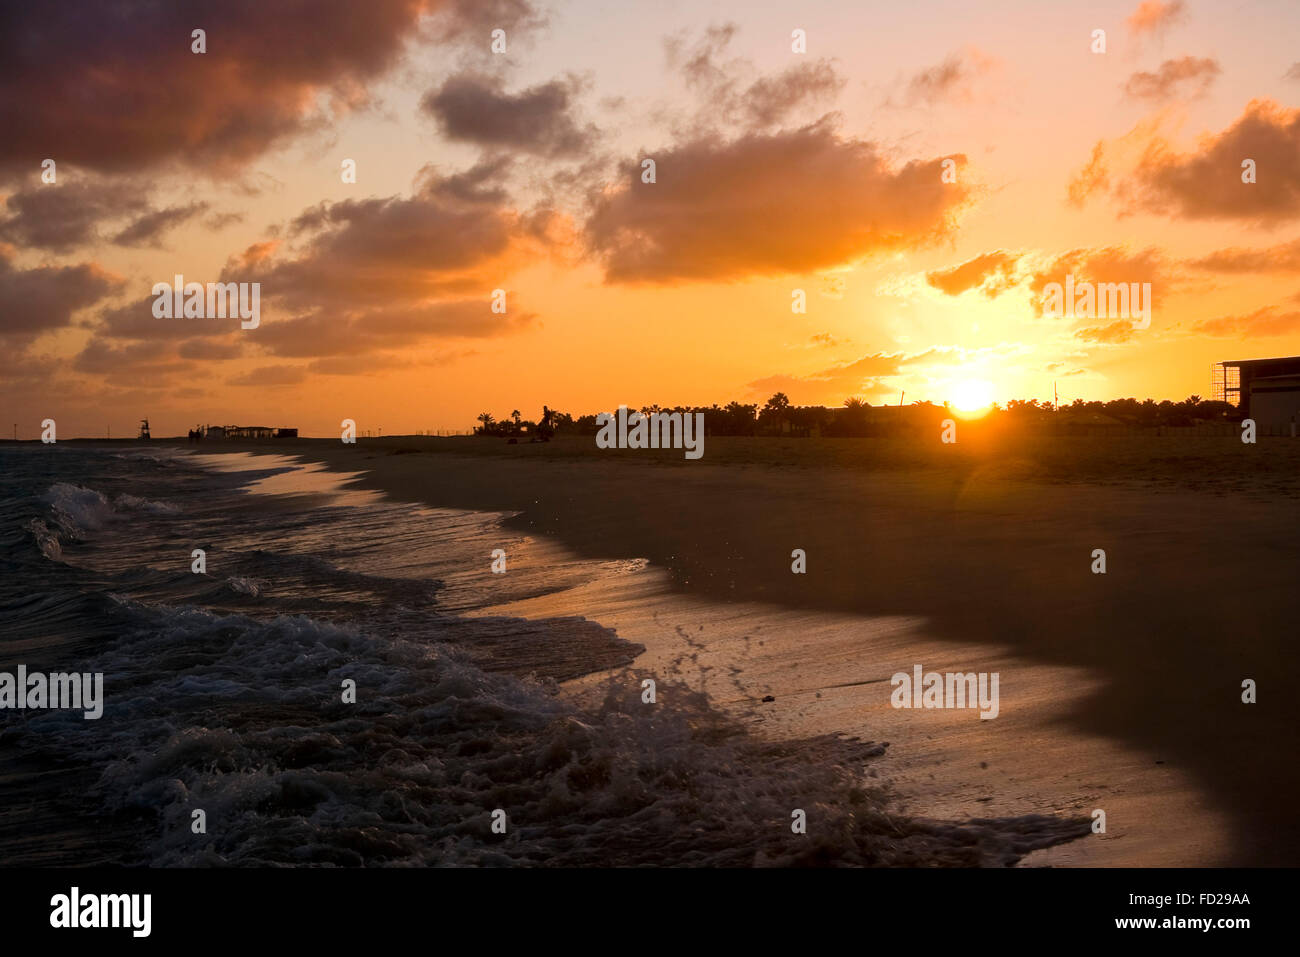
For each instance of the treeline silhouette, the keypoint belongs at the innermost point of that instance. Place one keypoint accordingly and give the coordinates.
(857, 418)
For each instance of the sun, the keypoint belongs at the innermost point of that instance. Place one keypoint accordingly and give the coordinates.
(972, 395)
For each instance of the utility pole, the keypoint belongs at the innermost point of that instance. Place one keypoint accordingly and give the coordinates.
(900, 396)
(1056, 398)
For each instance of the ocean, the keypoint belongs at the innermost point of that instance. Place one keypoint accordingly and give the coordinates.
(226, 692)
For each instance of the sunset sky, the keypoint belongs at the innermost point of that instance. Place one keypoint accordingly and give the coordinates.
(775, 171)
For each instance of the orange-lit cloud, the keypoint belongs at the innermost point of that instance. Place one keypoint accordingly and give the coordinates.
(1206, 183)
(1282, 258)
(767, 204)
(1153, 17)
(1187, 76)
(1112, 334)
(992, 273)
(1265, 323)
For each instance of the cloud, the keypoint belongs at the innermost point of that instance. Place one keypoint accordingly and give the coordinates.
(767, 204)
(1186, 77)
(951, 81)
(727, 97)
(1293, 73)
(61, 216)
(128, 362)
(390, 253)
(271, 376)
(325, 334)
(360, 275)
(135, 320)
(1264, 323)
(992, 273)
(1153, 17)
(148, 229)
(475, 108)
(999, 271)
(1282, 258)
(386, 362)
(1206, 183)
(1104, 264)
(837, 382)
(769, 100)
(209, 350)
(119, 88)
(45, 298)
(1113, 334)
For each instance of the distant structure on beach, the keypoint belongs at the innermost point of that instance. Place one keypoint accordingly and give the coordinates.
(240, 432)
(144, 430)
(1266, 390)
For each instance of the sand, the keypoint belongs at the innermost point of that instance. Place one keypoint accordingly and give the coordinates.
(1119, 691)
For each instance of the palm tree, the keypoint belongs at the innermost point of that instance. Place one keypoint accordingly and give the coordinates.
(516, 415)
(487, 420)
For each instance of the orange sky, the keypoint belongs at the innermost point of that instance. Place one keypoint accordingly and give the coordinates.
(775, 171)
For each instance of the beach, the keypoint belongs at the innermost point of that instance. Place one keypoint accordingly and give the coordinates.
(1120, 691)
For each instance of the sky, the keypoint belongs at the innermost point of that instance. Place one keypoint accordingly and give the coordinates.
(921, 171)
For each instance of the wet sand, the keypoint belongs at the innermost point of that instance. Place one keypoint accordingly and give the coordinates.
(1118, 691)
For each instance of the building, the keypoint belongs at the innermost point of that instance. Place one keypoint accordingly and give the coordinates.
(245, 432)
(249, 432)
(1266, 390)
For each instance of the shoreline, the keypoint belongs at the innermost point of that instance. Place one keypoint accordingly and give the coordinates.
(1185, 782)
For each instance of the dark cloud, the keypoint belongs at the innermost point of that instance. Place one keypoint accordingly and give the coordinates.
(767, 204)
(39, 300)
(771, 99)
(271, 376)
(63, 215)
(149, 228)
(1188, 76)
(992, 273)
(129, 360)
(211, 349)
(324, 334)
(135, 320)
(478, 18)
(950, 81)
(725, 94)
(115, 86)
(475, 108)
